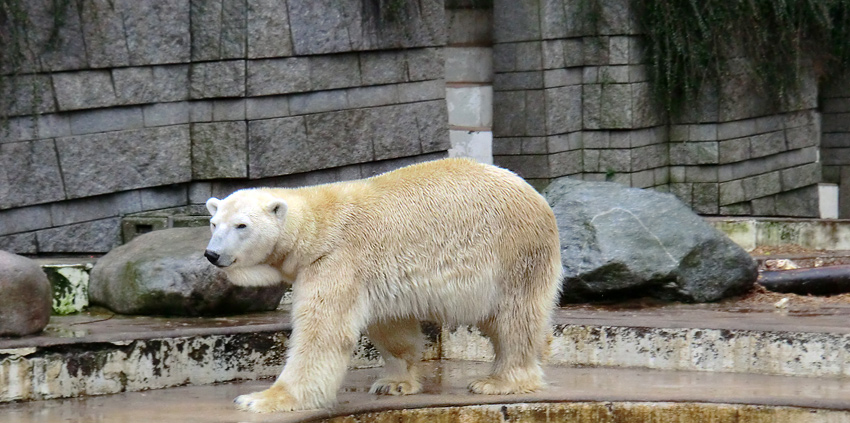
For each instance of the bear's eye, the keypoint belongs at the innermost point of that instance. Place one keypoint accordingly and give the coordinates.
(241, 226)
(213, 225)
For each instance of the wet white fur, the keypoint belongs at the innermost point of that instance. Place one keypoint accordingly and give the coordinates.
(451, 241)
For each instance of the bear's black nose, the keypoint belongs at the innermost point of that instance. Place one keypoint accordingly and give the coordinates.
(212, 256)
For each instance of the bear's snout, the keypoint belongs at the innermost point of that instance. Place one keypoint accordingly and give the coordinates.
(212, 256)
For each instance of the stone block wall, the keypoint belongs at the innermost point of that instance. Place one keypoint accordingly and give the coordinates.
(572, 97)
(734, 153)
(164, 103)
(766, 165)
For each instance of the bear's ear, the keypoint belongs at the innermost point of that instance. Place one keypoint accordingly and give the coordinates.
(212, 205)
(278, 207)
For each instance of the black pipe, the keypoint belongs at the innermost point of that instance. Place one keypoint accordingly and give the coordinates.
(829, 280)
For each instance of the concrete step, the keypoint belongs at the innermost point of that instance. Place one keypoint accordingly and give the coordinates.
(750, 232)
(96, 352)
(598, 395)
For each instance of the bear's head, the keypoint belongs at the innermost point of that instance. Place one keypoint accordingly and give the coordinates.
(246, 228)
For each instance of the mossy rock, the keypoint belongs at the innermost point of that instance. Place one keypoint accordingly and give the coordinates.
(165, 273)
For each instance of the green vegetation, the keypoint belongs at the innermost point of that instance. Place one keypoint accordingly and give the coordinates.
(690, 44)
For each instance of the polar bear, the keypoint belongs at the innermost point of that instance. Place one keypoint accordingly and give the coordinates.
(451, 241)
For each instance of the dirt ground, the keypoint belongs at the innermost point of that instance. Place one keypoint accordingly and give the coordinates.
(801, 257)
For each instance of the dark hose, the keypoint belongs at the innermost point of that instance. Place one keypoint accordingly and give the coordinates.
(828, 280)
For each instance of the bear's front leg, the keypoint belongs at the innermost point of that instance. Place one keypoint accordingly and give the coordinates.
(326, 321)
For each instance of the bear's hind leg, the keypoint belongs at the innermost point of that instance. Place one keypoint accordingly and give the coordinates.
(516, 369)
(400, 344)
(518, 327)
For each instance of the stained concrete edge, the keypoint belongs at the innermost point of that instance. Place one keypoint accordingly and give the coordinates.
(445, 386)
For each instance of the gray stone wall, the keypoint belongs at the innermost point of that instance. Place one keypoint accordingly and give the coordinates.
(734, 153)
(573, 98)
(163, 103)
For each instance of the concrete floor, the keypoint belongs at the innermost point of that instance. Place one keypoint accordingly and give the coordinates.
(444, 386)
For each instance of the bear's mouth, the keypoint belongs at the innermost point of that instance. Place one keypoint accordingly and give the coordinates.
(222, 266)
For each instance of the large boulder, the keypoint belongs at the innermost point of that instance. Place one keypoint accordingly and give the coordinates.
(619, 242)
(165, 272)
(26, 299)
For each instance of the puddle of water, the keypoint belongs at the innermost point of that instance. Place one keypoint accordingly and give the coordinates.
(60, 332)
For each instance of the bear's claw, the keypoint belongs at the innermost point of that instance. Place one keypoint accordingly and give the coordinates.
(395, 387)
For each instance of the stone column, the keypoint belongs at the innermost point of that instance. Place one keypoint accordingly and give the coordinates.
(469, 83)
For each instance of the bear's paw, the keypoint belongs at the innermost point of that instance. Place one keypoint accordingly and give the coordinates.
(273, 399)
(496, 386)
(388, 386)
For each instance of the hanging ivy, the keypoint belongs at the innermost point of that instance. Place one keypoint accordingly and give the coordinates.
(690, 43)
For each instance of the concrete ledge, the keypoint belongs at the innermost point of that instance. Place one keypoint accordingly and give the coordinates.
(708, 338)
(97, 353)
(750, 233)
(93, 354)
(574, 394)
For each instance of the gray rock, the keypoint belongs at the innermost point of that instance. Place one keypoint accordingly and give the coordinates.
(618, 241)
(165, 272)
(25, 296)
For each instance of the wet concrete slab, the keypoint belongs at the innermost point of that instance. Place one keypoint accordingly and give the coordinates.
(100, 325)
(729, 315)
(445, 385)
